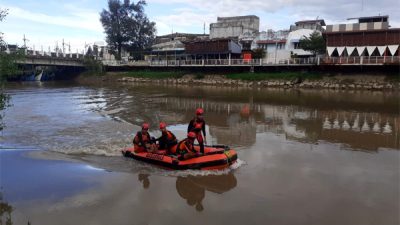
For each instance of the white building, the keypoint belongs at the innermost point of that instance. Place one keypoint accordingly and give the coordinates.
(233, 27)
(282, 45)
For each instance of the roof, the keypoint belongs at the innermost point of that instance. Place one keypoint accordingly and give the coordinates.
(180, 34)
(210, 40)
(368, 17)
(271, 41)
(238, 17)
(363, 31)
(311, 21)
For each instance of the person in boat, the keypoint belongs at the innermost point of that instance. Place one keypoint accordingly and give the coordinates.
(185, 148)
(143, 142)
(167, 139)
(198, 126)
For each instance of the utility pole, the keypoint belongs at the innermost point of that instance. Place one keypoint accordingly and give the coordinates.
(63, 47)
(25, 40)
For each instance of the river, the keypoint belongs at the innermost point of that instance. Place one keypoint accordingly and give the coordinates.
(305, 156)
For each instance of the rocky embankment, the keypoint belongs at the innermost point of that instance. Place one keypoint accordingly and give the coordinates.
(340, 82)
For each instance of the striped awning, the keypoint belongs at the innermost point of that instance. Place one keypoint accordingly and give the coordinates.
(393, 48)
(350, 50)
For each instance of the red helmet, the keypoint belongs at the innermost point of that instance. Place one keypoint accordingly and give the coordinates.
(191, 135)
(163, 125)
(199, 111)
(145, 126)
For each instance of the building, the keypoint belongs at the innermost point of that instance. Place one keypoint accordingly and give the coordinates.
(300, 30)
(273, 43)
(233, 27)
(370, 36)
(172, 46)
(213, 49)
(280, 46)
(182, 37)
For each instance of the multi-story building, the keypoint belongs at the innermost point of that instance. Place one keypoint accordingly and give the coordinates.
(371, 36)
(233, 27)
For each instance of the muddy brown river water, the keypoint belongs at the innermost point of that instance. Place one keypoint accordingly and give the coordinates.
(305, 156)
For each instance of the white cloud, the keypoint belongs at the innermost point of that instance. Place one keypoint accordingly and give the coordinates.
(76, 26)
(78, 19)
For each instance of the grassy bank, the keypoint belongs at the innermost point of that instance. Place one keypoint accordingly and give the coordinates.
(273, 76)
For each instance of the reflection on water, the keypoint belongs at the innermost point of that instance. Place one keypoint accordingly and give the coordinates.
(144, 179)
(193, 188)
(5, 211)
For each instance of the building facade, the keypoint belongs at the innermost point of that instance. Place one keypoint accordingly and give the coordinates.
(233, 27)
(371, 36)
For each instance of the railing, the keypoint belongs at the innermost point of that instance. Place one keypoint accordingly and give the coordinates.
(379, 60)
(363, 60)
(233, 62)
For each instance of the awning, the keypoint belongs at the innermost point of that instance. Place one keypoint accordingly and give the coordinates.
(360, 50)
(381, 49)
(330, 50)
(393, 48)
(371, 49)
(340, 50)
(350, 50)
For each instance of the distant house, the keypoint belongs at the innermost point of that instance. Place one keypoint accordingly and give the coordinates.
(371, 36)
(172, 46)
(213, 49)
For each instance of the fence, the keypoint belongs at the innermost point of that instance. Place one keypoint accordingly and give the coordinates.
(378, 60)
(231, 62)
(363, 60)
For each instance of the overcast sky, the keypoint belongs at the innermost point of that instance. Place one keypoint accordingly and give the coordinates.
(46, 23)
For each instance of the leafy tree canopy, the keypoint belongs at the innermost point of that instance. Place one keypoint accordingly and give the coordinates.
(258, 53)
(127, 26)
(315, 43)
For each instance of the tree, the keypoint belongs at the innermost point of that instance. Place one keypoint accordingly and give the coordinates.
(3, 14)
(4, 98)
(258, 53)
(127, 26)
(315, 43)
(8, 67)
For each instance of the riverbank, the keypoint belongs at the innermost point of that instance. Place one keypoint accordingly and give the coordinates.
(259, 80)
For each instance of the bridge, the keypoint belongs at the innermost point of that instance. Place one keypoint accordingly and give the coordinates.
(43, 60)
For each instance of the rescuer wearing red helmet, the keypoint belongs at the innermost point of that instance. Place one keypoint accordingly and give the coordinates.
(185, 148)
(167, 139)
(198, 126)
(142, 141)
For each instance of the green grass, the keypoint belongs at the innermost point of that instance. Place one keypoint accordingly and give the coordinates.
(154, 74)
(392, 78)
(273, 76)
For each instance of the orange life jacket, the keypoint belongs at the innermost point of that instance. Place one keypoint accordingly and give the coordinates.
(183, 147)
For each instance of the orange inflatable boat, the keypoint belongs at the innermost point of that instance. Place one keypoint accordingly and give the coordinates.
(215, 157)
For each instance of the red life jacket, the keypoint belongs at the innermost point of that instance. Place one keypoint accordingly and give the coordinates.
(143, 139)
(184, 147)
(197, 124)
